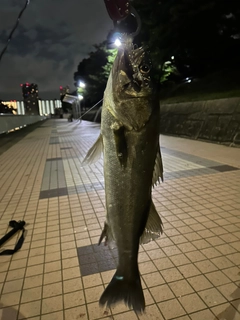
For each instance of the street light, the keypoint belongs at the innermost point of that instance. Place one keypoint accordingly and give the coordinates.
(117, 42)
(81, 84)
(81, 91)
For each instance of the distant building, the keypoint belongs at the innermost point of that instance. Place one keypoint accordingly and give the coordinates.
(30, 98)
(63, 91)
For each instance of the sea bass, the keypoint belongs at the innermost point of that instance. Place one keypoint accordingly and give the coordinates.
(129, 140)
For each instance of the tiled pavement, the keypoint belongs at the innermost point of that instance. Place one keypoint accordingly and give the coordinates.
(191, 272)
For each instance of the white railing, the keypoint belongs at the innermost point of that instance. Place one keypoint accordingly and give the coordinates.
(14, 122)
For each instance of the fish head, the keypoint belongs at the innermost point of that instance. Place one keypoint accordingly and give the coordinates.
(131, 95)
(132, 72)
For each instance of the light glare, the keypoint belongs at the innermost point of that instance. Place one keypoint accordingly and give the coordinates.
(117, 43)
(81, 84)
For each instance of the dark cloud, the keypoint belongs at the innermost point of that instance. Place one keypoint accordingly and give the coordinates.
(51, 40)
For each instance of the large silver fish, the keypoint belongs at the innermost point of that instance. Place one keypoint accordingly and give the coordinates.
(129, 140)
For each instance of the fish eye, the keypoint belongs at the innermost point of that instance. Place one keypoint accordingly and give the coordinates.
(145, 68)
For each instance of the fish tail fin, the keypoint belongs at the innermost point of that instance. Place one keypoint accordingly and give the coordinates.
(124, 289)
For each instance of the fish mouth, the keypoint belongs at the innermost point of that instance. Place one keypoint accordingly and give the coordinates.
(136, 64)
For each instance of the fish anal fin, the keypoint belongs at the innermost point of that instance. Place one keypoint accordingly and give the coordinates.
(107, 235)
(103, 235)
(154, 226)
(158, 169)
(94, 153)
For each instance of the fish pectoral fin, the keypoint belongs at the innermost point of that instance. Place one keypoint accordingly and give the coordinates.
(158, 169)
(121, 145)
(154, 226)
(94, 153)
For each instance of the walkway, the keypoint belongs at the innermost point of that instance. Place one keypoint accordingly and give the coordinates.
(191, 273)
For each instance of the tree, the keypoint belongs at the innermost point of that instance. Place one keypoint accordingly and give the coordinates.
(200, 34)
(185, 38)
(94, 72)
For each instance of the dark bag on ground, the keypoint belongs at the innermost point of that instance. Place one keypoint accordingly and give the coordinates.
(16, 227)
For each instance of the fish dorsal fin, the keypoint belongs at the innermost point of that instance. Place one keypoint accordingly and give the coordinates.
(158, 169)
(94, 153)
(154, 226)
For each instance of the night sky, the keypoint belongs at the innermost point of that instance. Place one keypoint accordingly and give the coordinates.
(52, 38)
